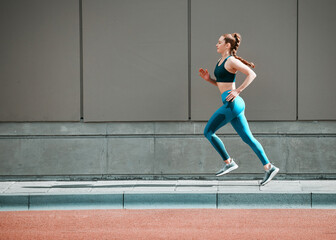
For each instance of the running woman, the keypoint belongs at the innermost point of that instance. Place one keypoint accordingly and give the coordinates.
(233, 107)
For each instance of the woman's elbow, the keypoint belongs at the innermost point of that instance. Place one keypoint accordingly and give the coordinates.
(253, 75)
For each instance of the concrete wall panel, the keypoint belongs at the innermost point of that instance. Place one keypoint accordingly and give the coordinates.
(268, 30)
(131, 156)
(296, 148)
(317, 82)
(52, 156)
(39, 60)
(135, 57)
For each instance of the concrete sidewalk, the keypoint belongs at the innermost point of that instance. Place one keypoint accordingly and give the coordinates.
(141, 194)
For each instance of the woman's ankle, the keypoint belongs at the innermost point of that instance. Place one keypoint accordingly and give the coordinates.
(267, 167)
(228, 161)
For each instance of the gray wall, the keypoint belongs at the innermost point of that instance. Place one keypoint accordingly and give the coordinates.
(140, 64)
(173, 150)
(268, 29)
(135, 60)
(135, 64)
(317, 51)
(39, 60)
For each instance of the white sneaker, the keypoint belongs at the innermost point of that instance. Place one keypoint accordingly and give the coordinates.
(228, 167)
(269, 175)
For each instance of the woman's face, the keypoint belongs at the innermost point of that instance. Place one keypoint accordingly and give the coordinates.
(221, 45)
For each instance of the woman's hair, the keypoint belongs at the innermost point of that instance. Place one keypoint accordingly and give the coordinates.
(234, 39)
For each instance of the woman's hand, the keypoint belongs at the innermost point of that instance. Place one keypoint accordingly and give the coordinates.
(204, 74)
(232, 95)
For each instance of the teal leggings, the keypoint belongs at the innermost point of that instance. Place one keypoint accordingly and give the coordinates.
(232, 112)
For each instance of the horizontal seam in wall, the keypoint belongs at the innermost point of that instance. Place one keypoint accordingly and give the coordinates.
(158, 175)
(163, 135)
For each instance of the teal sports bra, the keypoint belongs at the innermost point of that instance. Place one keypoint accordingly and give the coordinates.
(223, 75)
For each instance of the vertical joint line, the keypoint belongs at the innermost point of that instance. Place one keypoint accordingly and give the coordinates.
(28, 202)
(217, 199)
(123, 201)
(297, 60)
(155, 158)
(106, 171)
(189, 59)
(81, 58)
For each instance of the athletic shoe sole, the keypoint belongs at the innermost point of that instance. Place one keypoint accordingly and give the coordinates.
(227, 171)
(271, 177)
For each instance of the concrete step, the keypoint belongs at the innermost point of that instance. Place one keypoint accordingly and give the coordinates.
(132, 194)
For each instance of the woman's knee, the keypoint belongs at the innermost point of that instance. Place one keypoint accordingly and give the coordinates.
(248, 139)
(206, 133)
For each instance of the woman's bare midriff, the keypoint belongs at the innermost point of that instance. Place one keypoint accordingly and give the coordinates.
(224, 86)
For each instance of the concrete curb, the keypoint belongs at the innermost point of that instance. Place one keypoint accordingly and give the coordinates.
(178, 200)
(171, 194)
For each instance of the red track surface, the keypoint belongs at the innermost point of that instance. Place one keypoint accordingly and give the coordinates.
(170, 224)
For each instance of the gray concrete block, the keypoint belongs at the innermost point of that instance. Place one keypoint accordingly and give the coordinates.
(304, 127)
(28, 187)
(70, 189)
(293, 127)
(76, 201)
(185, 156)
(169, 200)
(239, 187)
(154, 186)
(52, 156)
(152, 189)
(282, 186)
(197, 155)
(175, 128)
(246, 183)
(162, 148)
(264, 200)
(327, 186)
(52, 128)
(324, 200)
(227, 129)
(133, 128)
(197, 186)
(249, 162)
(5, 185)
(207, 183)
(130, 156)
(283, 127)
(311, 155)
(112, 186)
(13, 202)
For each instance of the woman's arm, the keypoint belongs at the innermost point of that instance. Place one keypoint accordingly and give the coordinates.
(212, 81)
(250, 74)
(206, 76)
(249, 78)
(237, 64)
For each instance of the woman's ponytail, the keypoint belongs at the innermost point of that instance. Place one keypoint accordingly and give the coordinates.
(235, 40)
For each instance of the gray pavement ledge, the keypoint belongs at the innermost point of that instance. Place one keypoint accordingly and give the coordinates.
(166, 194)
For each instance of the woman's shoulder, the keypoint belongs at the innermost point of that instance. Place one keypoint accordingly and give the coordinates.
(232, 59)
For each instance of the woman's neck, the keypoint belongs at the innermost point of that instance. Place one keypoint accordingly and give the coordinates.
(225, 55)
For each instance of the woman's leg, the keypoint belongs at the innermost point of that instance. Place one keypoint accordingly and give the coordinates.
(221, 117)
(241, 126)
